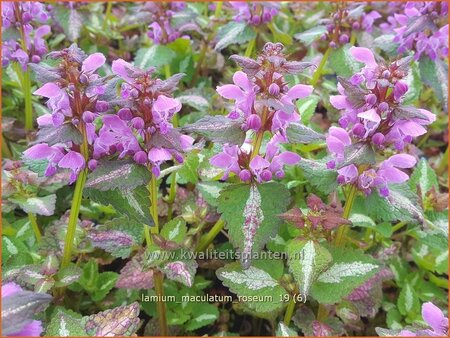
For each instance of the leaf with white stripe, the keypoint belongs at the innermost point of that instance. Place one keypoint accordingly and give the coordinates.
(253, 282)
(251, 213)
(65, 323)
(175, 230)
(408, 302)
(284, 331)
(350, 269)
(307, 259)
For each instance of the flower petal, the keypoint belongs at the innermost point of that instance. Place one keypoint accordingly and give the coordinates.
(93, 62)
(363, 55)
(48, 90)
(434, 317)
(231, 92)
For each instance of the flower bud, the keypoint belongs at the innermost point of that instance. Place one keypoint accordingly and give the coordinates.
(356, 79)
(383, 106)
(331, 164)
(27, 17)
(84, 78)
(279, 174)
(386, 74)
(92, 165)
(102, 106)
(356, 25)
(358, 130)
(125, 114)
(378, 139)
(234, 115)
(333, 45)
(71, 87)
(35, 59)
(245, 175)
(343, 38)
(330, 27)
(370, 99)
(266, 175)
(254, 122)
(140, 157)
(274, 89)
(137, 123)
(324, 37)
(343, 122)
(256, 20)
(88, 116)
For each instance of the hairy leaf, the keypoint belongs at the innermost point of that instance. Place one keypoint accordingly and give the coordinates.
(233, 32)
(435, 74)
(154, 56)
(67, 132)
(181, 271)
(251, 214)
(174, 230)
(284, 331)
(341, 61)
(311, 35)
(219, 129)
(423, 176)
(134, 275)
(358, 153)
(299, 133)
(65, 323)
(121, 175)
(37, 205)
(117, 243)
(318, 175)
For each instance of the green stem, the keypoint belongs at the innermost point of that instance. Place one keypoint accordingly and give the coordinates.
(207, 239)
(443, 163)
(353, 39)
(172, 194)
(6, 152)
(154, 201)
(340, 236)
(158, 280)
(398, 226)
(319, 70)
(257, 145)
(218, 9)
(35, 226)
(289, 311)
(73, 218)
(250, 46)
(322, 313)
(167, 71)
(107, 14)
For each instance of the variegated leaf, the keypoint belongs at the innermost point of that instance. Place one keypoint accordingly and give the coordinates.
(181, 271)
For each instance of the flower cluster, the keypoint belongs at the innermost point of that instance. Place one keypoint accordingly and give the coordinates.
(23, 19)
(421, 28)
(142, 128)
(263, 102)
(73, 99)
(162, 30)
(374, 114)
(345, 20)
(254, 13)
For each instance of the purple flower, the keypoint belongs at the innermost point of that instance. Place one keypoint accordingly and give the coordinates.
(24, 18)
(254, 13)
(146, 115)
(32, 328)
(227, 160)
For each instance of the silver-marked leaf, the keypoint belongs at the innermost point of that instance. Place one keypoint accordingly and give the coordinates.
(219, 129)
(128, 202)
(170, 140)
(358, 153)
(134, 275)
(350, 269)
(67, 132)
(342, 62)
(307, 259)
(285, 331)
(233, 32)
(111, 175)
(311, 35)
(423, 176)
(70, 20)
(253, 281)
(19, 309)
(299, 133)
(409, 112)
(68, 275)
(120, 321)
(435, 74)
(175, 230)
(251, 215)
(202, 314)
(117, 243)
(181, 271)
(154, 56)
(65, 323)
(408, 302)
(211, 190)
(44, 73)
(37, 205)
(195, 101)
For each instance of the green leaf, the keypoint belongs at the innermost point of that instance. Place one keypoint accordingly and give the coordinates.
(358, 153)
(68, 275)
(117, 243)
(11, 247)
(195, 101)
(342, 62)
(70, 20)
(435, 74)
(311, 35)
(131, 203)
(154, 56)
(414, 85)
(211, 191)
(188, 173)
(251, 214)
(202, 314)
(233, 32)
(120, 321)
(408, 302)
(285, 331)
(175, 230)
(37, 205)
(307, 107)
(424, 177)
(307, 259)
(279, 35)
(385, 43)
(318, 175)
(350, 269)
(253, 282)
(105, 282)
(124, 224)
(218, 129)
(299, 133)
(400, 205)
(121, 175)
(65, 323)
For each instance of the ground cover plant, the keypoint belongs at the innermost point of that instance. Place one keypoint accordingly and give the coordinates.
(224, 168)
